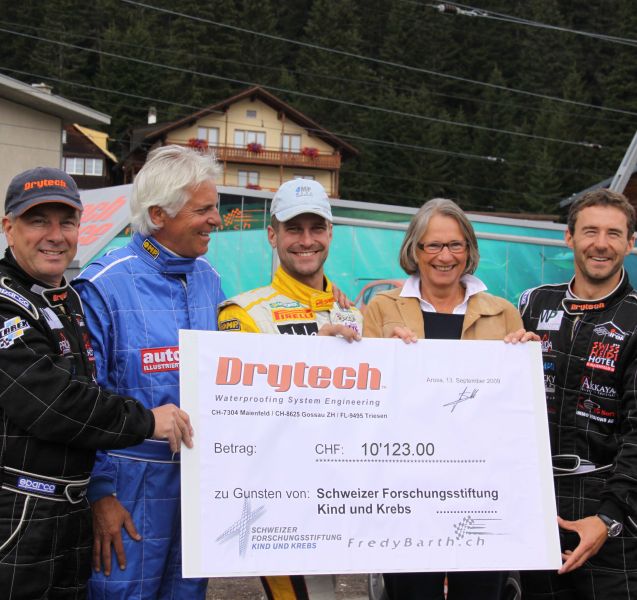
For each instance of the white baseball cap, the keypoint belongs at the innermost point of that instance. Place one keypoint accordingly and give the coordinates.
(299, 196)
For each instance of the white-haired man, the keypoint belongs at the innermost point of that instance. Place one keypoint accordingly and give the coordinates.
(299, 301)
(136, 299)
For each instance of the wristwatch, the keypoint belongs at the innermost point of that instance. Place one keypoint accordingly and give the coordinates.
(614, 527)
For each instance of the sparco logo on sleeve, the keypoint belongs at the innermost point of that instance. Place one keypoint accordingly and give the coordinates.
(155, 360)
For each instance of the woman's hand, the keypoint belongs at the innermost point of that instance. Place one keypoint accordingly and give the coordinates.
(405, 334)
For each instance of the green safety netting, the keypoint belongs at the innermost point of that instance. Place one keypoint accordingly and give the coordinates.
(359, 255)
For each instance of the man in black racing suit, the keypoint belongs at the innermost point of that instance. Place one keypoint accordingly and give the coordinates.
(53, 416)
(588, 331)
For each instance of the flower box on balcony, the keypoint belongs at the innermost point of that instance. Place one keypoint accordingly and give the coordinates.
(197, 144)
(253, 186)
(255, 147)
(310, 151)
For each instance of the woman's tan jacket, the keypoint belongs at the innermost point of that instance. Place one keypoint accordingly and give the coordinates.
(487, 318)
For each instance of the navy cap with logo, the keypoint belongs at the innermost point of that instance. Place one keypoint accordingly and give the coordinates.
(40, 186)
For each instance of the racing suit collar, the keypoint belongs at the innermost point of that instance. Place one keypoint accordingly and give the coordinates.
(315, 299)
(574, 305)
(153, 253)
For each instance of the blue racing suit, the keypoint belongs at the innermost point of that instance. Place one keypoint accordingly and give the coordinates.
(136, 299)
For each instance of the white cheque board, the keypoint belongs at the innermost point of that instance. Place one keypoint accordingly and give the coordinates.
(313, 455)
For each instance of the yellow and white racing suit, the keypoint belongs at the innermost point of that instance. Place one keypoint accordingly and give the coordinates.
(287, 306)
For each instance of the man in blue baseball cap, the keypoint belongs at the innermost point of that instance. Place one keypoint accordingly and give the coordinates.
(53, 415)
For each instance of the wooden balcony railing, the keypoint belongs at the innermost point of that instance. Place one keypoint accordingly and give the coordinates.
(276, 158)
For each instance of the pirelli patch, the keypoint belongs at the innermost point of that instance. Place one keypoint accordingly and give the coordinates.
(150, 248)
(293, 314)
(230, 325)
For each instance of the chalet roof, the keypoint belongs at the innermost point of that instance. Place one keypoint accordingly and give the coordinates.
(43, 101)
(150, 134)
(99, 138)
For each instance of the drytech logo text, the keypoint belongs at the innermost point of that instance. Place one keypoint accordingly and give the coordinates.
(232, 370)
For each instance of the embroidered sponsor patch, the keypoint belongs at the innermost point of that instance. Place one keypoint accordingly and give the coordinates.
(589, 386)
(323, 302)
(12, 329)
(34, 485)
(230, 325)
(88, 348)
(524, 298)
(603, 356)
(549, 383)
(156, 360)
(290, 304)
(594, 411)
(299, 314)
(550, 320)
(547, 344)
(15, 297)
(609, 329)
(573, 306)
(346, 317)
(298, 329)
(150, 248)
(65, 345)
(52, 319)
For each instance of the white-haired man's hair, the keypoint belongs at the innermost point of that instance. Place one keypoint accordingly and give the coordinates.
(169, 176)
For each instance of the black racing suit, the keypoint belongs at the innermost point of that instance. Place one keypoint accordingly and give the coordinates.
(589, 349)
(53, 416)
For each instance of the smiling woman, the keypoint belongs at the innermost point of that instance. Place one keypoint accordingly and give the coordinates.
(441, 299)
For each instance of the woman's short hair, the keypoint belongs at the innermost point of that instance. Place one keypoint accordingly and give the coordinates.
(167, 179)
(419, 224)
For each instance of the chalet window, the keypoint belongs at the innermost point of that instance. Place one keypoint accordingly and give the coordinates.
(303, 177)
(84, 166)
(64, 136)
(210, 134)
(247, 177)
(74, 166)
(94, 166)
(243, 137)
(251, 114)
(290, 142)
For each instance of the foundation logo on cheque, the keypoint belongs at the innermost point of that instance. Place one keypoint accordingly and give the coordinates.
(241, 527)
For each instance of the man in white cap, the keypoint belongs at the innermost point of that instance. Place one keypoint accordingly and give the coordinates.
(298, 301)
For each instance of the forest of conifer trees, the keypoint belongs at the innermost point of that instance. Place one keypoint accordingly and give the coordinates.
(477, 106)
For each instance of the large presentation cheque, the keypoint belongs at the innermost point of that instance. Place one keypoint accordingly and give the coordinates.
(313, 455)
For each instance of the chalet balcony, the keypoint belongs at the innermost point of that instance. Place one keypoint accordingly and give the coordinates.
(276, 158)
